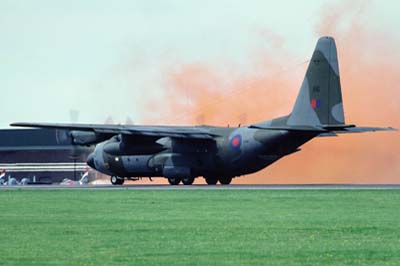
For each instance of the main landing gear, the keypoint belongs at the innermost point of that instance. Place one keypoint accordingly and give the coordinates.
(214, 180)
(173, 181)
(116, 180)
(188, 180)
(211, 180)
(176, 180)
(225, 180)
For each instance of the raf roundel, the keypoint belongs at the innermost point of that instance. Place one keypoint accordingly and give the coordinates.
(236, 142)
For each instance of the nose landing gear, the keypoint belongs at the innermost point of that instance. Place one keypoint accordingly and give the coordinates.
(116, 180)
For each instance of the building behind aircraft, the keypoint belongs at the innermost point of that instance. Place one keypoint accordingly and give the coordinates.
(41, 155)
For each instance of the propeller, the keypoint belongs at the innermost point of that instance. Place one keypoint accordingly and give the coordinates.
(129, 121)
(75, 152)
(109, 120)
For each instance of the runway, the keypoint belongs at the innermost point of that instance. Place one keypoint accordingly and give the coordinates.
(207, 187)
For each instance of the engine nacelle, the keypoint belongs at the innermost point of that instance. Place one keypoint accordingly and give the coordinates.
(121, 145)
(131, 165)
(87, 137)
(97, 161)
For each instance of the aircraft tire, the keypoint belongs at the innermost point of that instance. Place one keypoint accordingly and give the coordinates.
(174, 181)
(225, 180)
(211, 180)
(115, 180)
(188, 180)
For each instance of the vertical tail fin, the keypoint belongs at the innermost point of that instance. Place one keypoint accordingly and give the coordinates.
(319, 102)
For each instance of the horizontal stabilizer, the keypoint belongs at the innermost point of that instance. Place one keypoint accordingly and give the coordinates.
(328, 134)
(289, 128)
(336, 126)
(355, 129)
(326, 130)
(364, 129)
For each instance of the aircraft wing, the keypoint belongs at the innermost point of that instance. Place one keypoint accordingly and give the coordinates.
(190, 132)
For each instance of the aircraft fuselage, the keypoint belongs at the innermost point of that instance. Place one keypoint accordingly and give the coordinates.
(236, 152)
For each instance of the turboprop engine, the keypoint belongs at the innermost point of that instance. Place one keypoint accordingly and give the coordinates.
(123, 157)
(87, 138)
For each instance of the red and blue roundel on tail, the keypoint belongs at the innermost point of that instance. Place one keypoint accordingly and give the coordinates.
(315, 103)
(235, 142)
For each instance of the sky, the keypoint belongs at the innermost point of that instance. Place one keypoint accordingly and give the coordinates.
(214, 62)
(63, 55)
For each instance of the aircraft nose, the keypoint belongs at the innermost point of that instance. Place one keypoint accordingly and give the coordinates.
(90, 161)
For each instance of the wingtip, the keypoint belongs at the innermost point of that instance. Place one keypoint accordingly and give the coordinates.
(19, 124)
(24, 124)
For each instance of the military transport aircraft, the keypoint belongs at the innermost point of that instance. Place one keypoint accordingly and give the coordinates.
(182, 153)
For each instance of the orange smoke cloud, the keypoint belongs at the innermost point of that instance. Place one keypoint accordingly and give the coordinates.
(202, 94)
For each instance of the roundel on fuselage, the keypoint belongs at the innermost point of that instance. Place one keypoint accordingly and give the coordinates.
(235, 142)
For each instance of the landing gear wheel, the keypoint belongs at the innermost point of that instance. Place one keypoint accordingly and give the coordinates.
(115, 180)
(225, 180)
(188, 180)
(211, 180)
(174, 181)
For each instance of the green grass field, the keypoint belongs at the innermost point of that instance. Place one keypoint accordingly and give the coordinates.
(200, 227)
